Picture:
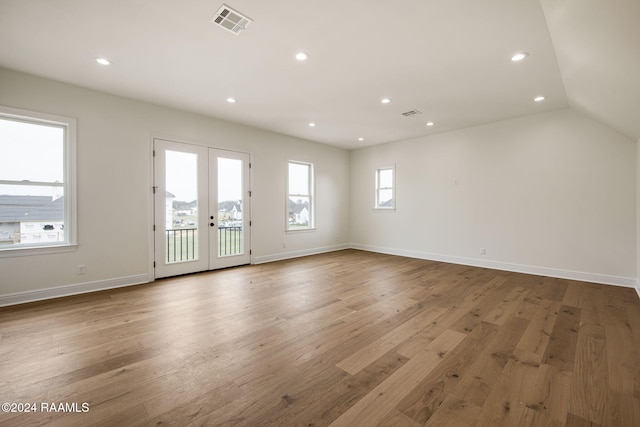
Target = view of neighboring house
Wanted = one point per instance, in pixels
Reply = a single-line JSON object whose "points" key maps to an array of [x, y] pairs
{"points": [[298, 212], [386, 204], [181, 214], [31, 219], [230, 210]]}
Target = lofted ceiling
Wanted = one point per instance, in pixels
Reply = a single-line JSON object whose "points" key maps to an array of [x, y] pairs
{"points": [[448, 59]]}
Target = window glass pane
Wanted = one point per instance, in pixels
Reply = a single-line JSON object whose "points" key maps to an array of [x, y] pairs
{"points": [[299, 197], [181, 203], [31, 214], [386, 178], [299, 212], [230, 232], [30, 151], [299, 179], [385, 198]]}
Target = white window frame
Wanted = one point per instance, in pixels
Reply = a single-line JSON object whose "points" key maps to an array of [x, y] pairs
{"points": [[310, 196], [69, 185], [378, 189]]}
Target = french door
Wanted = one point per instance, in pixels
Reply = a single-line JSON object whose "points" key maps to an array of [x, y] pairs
{"points": [[202, 208]]}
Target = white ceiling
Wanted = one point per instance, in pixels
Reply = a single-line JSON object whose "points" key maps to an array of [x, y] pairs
{"points": [[450, 59]]}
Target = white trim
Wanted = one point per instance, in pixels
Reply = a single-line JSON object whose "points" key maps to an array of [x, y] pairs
{"points": [[36, 250], [301, 230], [151, 210], [311, 196], [297, 254], [517, 268], [376, 206], [250, 248], [100, 285], [67, 290]]}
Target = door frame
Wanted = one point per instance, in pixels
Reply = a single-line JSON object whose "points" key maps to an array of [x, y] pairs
{"points": [[151, 197]]}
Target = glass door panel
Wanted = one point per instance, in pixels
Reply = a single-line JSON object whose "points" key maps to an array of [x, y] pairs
{"points": [[230, 230], [181, 202], [229, 198], [180, 176]]}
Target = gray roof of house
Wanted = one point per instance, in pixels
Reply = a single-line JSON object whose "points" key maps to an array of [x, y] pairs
{"points": [[297, 207], [30, 208], [227, 206]]}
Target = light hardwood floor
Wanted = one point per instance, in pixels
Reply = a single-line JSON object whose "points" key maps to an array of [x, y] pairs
{"points": [[348, 338]]}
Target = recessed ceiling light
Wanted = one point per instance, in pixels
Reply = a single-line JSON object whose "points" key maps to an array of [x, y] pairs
{"points": [[519, 56], [385, 100], [312, 124], [430, 124], [103, 61], [361, 139], [302, 56], [539, 98], [231, 100]]}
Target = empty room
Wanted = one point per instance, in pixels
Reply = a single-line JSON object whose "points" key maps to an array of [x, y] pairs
{"points": [[356, 213]]}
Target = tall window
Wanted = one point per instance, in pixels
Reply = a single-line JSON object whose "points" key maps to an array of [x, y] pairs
{"points": [[37, 155], [385, 191], [299, 196]]}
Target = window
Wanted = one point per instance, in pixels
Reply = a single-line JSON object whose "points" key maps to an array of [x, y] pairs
{"points": [[385, 180], [300, 196], [37, 188]]}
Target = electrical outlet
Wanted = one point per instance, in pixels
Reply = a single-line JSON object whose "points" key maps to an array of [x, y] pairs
{"points": [[483, 251], [284, 244], [82, 269]]}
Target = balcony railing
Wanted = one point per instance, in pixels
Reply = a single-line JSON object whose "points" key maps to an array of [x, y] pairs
{"points": [[182, 243], [229, 240]]}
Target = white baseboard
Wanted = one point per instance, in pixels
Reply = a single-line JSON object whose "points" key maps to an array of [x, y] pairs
{"points": [[100, 285], [297, 254], [517, 268], [67, 290]]}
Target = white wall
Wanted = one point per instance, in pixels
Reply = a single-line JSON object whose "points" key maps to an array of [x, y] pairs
{"points": [[114, 183], [551, 193]]}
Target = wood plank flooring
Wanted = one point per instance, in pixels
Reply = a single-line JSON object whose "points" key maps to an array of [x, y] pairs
{"points": [[348, 338]]}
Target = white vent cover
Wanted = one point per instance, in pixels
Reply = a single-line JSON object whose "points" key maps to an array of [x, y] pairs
{"points": [[231, 20], [411, 113]]}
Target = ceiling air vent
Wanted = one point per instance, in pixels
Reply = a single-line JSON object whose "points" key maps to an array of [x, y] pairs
{"points": [[411, 113], [231, 20]]}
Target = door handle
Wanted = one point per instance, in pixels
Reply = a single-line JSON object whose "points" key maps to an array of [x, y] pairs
{"points": [[211, 216], [212, 224]]}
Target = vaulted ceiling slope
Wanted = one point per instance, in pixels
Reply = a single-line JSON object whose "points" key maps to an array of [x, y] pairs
{"points": [[447, 61], [597, 44]]}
